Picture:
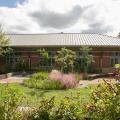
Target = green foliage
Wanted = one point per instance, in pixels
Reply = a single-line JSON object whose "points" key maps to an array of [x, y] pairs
{"points": [[105, 103], [40, 81], [43, 111], [68, 109], [4, 42], [83, 62], [86, 58], [92, 69], [5, 69], [65, 59], [21, 65], [117, 66], [44, 61], [9, 103], [119, 35]]}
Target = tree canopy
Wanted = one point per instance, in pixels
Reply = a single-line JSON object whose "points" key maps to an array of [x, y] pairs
{"points": [[119, 35], [44, 61], [86, 58], [65, 59], [4, 42]]}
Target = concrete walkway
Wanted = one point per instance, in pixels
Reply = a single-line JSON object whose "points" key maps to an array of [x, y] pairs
{"points": [[84, 83], [13, 79]]}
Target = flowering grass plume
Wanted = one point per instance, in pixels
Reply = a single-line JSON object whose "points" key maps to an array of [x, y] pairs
{"points": [[66, 80]]}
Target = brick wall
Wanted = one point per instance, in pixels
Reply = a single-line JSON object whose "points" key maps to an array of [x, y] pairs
{"points": [[106, 60], [101, 60], [104, 63]]}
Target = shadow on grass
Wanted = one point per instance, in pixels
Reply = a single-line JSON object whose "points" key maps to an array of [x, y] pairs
{"points": [[38, 93], [41, 93]]}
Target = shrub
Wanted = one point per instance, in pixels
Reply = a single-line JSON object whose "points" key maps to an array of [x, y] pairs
{"points": [[21, 65], [44, 61], [105, 103], [92, 69], [40, 81], [66, 80], [9, 103], [69, 108], [55, 75], [65, 59], [55, 80], [43, 111]]}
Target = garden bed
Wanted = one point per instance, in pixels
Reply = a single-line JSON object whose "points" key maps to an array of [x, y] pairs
{"points": [[94, 76]]}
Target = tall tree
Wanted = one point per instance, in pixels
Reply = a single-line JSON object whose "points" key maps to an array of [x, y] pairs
{"points": [[65, 59], [4, 43]]}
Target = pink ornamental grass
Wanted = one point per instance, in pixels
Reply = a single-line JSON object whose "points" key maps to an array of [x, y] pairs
{"points": [[55, 75], [68, 81]]}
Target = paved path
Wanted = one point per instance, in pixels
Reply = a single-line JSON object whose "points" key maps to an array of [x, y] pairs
{"points": [[14, 79], [84, 83]]}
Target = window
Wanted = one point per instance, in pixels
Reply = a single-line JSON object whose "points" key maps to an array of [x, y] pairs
{"points": [[12, 59], [115, 58]]}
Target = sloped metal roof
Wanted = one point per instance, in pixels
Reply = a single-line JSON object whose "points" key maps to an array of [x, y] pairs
{"points": [[65, 39]]}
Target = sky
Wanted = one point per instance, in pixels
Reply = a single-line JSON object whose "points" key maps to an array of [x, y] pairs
{"points": [[55, 16]]}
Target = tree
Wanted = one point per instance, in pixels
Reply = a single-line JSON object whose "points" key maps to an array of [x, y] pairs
{"points": [[65, 59], [86, 58], [119, 35], [44, 61], [4, 43]]}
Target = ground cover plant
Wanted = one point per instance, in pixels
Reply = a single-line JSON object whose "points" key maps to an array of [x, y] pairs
{"points": [[40, 80], [9, 101], [53, 80]]}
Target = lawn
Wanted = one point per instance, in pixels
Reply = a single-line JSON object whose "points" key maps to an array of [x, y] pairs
{"points": [[33, 96]]}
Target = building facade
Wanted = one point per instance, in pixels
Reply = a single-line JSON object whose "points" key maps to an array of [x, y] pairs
{"points": [[105, 49]]}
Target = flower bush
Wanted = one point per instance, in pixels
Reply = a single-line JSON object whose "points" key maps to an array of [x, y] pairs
{"points": [[41, 81], [66, 80], [43, 111], [9, 103], [105, 98], [105, 103], [55, 75], [67, 109]]}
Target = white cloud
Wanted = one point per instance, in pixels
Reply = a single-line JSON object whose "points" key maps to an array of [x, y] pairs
{"points": [[35, 16]]}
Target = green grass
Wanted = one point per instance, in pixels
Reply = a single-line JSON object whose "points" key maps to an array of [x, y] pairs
{"points": [[33, 96]]}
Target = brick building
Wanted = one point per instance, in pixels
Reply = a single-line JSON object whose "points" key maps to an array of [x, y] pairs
{"points": [[105, 49]]}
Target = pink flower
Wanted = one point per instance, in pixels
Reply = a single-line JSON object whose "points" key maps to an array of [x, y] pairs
{"points": [[55, 75], [68, 81]]}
